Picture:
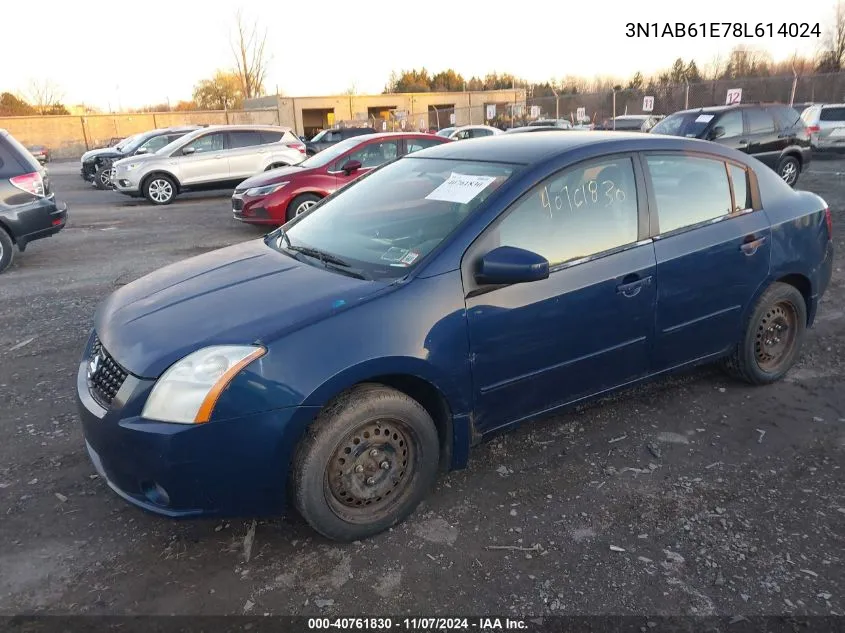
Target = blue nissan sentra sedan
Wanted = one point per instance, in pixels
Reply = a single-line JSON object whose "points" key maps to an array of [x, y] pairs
{"points": [[339, 363]]}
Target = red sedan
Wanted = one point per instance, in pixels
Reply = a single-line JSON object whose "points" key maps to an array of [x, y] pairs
{"points": [[276, 196]]}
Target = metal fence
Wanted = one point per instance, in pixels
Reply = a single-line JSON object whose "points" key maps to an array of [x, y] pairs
{"points": [[669, 98]]}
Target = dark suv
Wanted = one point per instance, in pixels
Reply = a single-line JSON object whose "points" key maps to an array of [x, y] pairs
{"points": [[28, 209], [327, 138], [772, 133], [96, 163]]}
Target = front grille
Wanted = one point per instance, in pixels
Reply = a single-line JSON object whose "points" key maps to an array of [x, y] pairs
{"points": [[237, 204], [105, 376]]}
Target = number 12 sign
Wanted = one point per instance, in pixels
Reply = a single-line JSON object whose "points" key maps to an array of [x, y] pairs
{"points": [[734, 96]]}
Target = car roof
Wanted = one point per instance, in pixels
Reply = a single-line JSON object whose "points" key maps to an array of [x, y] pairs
{"points": [[475, 127], [725, 108], [361, 138], [632, 117], [235, 127], [528, 149], [536, 128]]}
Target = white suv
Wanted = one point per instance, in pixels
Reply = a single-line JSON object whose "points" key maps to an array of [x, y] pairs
{"points": [[214, 157], [826, 125]]}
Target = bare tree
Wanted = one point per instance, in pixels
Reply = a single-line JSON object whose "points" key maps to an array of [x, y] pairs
{"points": [[714, 68], [832, 57], [44, 95], [251, 58]]}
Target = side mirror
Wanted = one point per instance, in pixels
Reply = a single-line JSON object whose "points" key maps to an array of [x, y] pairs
{"points": [[717, 132], [511, 265], [351, 166], [142, 150], [187, 151]]}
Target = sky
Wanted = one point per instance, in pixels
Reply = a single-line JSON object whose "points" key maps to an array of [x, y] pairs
{"points": [[131, 55]]}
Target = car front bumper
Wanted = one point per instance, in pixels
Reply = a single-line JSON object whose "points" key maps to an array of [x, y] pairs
{"points": [[87, 170], [125, 182], [235, 467]]}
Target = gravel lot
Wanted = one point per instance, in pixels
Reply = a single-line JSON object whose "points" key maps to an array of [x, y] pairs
{"points": [[693, 495]]}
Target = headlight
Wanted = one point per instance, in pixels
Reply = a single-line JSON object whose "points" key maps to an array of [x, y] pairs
{"points": [[265, 190], [187, 392], [128, 167]]}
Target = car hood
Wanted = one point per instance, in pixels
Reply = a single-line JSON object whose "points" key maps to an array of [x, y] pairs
{"points": [[273, 176], [102, 152], [237, 295], [136, 158]]}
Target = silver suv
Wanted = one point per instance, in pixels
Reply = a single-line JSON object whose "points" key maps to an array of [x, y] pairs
{"points": [[826, 125], [214, 157]]}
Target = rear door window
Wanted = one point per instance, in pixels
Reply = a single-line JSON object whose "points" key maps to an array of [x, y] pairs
{"points": [[688, 190], [244, 138], [759, 121], [416, 144], [742, 192]]}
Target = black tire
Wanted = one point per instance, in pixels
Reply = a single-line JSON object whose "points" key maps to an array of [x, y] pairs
{"points": [[763, 356], [301, 204], [7, 250], [160, 189], [369, 444], [101, 176], [788, 169]]}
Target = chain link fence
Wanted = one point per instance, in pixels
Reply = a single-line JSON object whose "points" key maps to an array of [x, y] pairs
{"points": [[669, 98]]}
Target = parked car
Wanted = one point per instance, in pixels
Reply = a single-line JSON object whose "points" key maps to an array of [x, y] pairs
{"points": [[535, 128], [28, 207], [561, 123], [214, 157], [279, 195], [774, 133], [327, 138], [473, 131], [628, 123], [96, 164], [338, 363], [40, 152], [826, 125]]}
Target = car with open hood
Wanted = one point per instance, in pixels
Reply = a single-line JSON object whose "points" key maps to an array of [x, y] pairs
{"points": [[338, 364]]}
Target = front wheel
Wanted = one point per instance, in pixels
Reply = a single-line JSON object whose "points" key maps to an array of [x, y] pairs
{"points": [[160, 189], [301, 204], [102, 176], [365, 463], [773, 336], [788, 170]]}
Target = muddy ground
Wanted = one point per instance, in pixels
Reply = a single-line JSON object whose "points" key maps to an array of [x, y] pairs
{"points": [[693, 495]]}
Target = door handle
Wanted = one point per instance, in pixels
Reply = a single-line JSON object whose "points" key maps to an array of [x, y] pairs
{"points": [[632, 288], [218, 156], [751, 244]]}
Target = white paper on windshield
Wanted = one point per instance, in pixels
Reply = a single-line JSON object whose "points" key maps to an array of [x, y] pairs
{"points": [[704, 118], [460, 188]]}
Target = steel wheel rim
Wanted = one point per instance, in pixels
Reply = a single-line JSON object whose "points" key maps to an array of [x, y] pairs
{"points": [[104, 176], [788, 172], [775, 336], [304, 206], [371, 470], [160, 190]]}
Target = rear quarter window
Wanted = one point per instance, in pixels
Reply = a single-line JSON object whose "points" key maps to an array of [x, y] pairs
{"points": [[14, 158], [832, 114], [275, 137], [785, 117]]}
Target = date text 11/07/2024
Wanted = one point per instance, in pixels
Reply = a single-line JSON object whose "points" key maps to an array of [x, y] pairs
{"points": [[417, 624], [722, 29]]}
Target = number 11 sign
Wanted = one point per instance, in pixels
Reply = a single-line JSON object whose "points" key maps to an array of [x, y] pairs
{"points": [[648, 104]]}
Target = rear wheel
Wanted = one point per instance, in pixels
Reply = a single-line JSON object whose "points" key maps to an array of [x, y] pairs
{"points": [[365, 463], [7, 250], [788, 170], [773, 336], [160, 189], [301, 204]]}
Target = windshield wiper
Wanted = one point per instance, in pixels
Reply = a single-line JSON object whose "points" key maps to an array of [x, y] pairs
{"points": [[324, 257]]}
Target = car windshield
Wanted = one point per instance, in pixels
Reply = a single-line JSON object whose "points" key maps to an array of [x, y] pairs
{"points": [[319, 136], [446, 131], [384, 224], [324, 157], [121, 147], [691, 124], [135, 142]]}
